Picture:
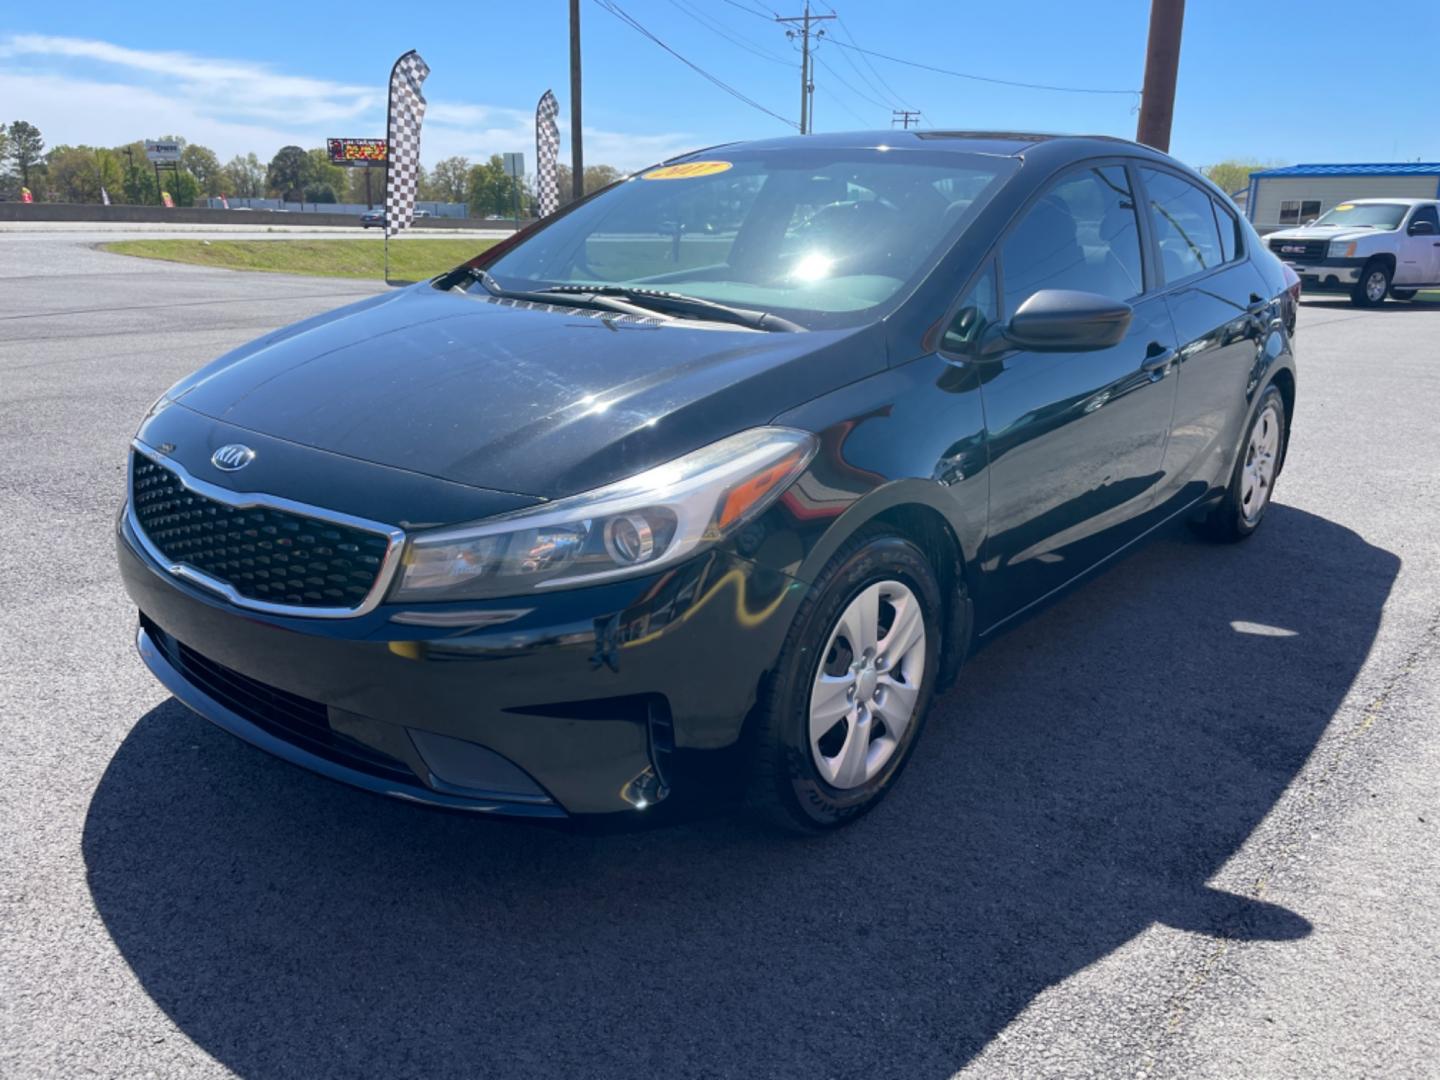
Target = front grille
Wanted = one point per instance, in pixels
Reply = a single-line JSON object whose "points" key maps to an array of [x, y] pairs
{"points": [[1313, 249], [299, 721], [262, 553]]}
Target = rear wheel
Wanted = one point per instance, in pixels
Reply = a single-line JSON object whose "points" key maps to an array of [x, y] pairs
{"points": [[851, 688], [1247, 498], [1374, 283]]}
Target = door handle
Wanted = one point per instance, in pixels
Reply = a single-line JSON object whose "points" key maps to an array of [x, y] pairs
{"points": [[1157, 360]]}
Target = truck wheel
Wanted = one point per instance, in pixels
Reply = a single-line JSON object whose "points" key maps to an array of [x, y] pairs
{"points": [[1374, 283]]}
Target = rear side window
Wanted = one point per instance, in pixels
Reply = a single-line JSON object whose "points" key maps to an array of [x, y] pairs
{"points": [[1229, 232], [1184, 225], [1081, 234]]}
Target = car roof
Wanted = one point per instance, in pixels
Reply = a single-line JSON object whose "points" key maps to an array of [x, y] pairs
{"points": [[1402, 200], [1002, 143]]}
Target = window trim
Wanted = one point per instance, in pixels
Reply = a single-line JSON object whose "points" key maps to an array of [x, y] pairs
{"points": [[1222, 214], [1163, 287]]}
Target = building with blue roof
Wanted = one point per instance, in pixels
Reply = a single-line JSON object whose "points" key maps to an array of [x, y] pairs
{"points": [[1286, 197]]}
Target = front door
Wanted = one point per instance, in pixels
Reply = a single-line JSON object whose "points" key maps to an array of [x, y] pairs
{"points": [[1076, 440], [1418, 260]]}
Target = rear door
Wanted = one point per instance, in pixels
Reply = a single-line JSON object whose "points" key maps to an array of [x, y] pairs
{"points": [[1221, 310], [1076, 440]]}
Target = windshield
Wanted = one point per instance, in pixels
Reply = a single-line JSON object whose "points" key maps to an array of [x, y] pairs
{"points": [[1362, 215], [823, 238]]}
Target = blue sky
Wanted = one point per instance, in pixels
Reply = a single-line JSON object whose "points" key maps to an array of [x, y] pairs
{"points": [[1282, 81]]}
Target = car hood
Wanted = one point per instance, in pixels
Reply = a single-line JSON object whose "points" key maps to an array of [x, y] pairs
{"points": [[1324, 234], [511, 397]]}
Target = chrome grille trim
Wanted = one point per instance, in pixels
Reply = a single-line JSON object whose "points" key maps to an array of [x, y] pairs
{"points": [[243, 500]]}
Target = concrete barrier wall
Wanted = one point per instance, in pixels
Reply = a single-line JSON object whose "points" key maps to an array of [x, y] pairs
{"points": [[15, 211]]}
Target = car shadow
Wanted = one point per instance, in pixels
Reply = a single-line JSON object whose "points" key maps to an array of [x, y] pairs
{"points": [[1088, 775]]}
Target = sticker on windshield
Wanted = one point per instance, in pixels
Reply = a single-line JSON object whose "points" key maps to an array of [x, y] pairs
{"points": [[1346, 206], [686, 170]]}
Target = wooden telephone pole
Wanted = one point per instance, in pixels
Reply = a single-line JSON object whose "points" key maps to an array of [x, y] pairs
{"points": [[1162, 65], [807, 79], [577, 147]]}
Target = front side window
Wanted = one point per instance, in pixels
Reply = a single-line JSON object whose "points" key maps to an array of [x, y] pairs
{"points": [[1426, 213], [1082, 234], [821, 237], [1184, 225]]}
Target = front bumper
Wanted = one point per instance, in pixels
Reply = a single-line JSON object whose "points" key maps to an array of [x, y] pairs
{"points": [[586, 701], [1323, 274]]}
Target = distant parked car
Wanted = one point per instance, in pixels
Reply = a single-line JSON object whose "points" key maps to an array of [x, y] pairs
{"points": [[372, 217], [422, 213], [1369, 248]]}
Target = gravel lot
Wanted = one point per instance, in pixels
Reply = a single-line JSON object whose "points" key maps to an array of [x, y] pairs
{"points": [[1184, 823]]}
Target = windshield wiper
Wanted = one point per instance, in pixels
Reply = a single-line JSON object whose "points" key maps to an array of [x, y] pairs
{"points": [[607, 303], [663, 301]]}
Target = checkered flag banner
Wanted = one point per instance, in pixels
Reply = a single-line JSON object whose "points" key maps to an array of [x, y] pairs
{"points": [[402, 133], [547, 151]]}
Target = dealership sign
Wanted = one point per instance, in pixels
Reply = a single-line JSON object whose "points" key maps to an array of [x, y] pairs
{"points": [[162, 151], [357, 153]]}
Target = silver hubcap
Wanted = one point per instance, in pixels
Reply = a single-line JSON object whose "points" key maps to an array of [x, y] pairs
{"points": [[863, 698], [1375, 285], [1258, 476]]}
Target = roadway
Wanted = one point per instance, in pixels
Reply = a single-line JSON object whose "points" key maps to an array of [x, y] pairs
{"points": [[1182, 824]]}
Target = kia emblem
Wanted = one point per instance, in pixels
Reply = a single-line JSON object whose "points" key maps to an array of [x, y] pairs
{"points": [[232, 456]]}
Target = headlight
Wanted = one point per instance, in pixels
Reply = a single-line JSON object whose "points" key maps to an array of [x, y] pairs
{"points": [[633, 526], [1342, 249]]}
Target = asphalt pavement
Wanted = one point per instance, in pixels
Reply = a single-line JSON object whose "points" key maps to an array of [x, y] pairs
{"points": [[1181, 824]]}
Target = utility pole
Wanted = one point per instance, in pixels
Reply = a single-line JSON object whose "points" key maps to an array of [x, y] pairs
{"points": [[807, 79], [577, 147], [1162, 64], [904, 117]]}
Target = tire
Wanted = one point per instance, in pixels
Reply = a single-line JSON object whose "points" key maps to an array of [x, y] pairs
{"points": [[1402, 294], [1254, 475], [813, 787], [1374, 283]]}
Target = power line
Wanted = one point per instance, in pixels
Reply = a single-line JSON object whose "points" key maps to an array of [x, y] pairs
{"points": [[850, 86], [751, 11], [718, 28], [978, 78], [615, 9], [893, 95]]}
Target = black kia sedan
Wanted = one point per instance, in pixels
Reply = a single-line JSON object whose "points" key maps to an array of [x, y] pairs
{"points": [[704, 487]]}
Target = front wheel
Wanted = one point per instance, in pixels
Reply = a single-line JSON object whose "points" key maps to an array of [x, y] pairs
{"points": [[851, 687], [1374, 283]]}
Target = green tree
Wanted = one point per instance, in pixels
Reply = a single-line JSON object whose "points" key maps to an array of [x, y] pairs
{"points": [[324, 174], [450, 181], [25, 148], [493, 192], [73, 173], [201, 163], [289, 170], [320, 193], [1231, 175], [596, 177], [243, 177]]}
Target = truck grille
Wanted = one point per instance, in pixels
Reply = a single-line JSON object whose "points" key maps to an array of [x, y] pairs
{"points": [[260, 552], [1299, 250]]}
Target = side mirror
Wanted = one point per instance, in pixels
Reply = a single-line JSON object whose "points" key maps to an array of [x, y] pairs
{"points": [[1422, 228], [1063, 320], [1310, 222]]}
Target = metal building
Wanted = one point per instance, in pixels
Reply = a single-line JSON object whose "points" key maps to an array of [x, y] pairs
{"points": [[1284, 198]]}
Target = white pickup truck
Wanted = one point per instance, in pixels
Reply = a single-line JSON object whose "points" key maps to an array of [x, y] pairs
{"points": [[1369, 248]]}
